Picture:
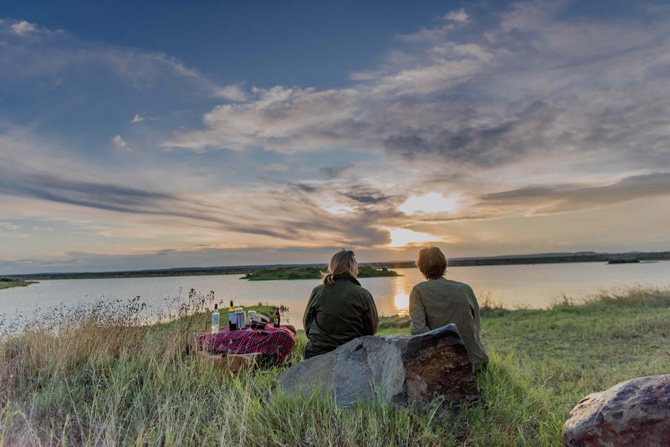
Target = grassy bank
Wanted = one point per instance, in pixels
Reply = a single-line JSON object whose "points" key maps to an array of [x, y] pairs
{"points": [[10, 284], [106, 380]]}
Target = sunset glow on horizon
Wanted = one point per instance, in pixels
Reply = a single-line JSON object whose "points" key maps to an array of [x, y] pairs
{"points": [[272, 135]]}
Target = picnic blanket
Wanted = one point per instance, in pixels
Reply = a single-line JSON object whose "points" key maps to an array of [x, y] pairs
{"points": [[271, 341]]}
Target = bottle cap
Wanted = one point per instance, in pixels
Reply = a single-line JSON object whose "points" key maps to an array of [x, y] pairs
{"points": [[216, 306]]}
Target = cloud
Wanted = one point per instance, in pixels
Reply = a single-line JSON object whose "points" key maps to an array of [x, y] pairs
{"points": [[550, 199], [332, 173], [568, 89], [57, 55], [366, 195], [119, 143], [292, 213], [30, 183], [23, 27], [531, 111], [281, 119], [230, 92], [10, 226], [275, 167], [454, 20], [459, 16]]}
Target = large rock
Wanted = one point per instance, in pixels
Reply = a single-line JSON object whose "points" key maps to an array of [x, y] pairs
{"points": [[633, 413], [426, 370]]}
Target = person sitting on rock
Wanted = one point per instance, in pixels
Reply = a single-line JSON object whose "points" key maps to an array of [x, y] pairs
{"points": [[338, 310], [438, 301]]}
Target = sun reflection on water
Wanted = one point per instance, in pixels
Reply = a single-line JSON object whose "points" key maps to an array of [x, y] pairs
{"points": [[401, 287], [402, 303]]}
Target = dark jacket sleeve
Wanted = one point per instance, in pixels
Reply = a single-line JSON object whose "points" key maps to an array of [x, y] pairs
{"points": [[370, 316], [307, 317]]}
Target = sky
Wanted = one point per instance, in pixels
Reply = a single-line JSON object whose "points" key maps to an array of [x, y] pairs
{"points": [[192, 134]]}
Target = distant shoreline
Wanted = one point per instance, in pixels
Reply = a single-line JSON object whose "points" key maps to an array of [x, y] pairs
{"points": [[300, 273], [549, 258]]}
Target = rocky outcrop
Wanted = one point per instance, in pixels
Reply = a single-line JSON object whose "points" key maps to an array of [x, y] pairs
{"points": [[426, 370], [631, 414]]}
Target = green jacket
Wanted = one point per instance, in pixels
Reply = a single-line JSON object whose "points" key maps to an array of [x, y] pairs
{"points": [[338, 314], [438, 302]]}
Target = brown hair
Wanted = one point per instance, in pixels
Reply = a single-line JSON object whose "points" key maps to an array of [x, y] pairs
{"points": [[431, 262], [341, 262]]}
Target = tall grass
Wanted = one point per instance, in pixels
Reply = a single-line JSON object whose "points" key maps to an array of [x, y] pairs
{"points": [[97, 377]]}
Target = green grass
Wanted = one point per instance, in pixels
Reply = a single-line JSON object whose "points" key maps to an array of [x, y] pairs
{"points": [[10, 284], [106, 380]]}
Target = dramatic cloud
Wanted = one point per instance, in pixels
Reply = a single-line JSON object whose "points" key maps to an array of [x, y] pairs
{"points": [[485, 132], [292, 213], [564, 198], [533, 87]]}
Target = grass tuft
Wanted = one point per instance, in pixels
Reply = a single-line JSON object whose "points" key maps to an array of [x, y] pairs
{"points": [[96, 376]]}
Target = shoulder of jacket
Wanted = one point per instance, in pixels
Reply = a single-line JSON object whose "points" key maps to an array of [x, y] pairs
{"points": [[456, 283], [420, 285], [361, 290], [318, 289], [462, 286]]}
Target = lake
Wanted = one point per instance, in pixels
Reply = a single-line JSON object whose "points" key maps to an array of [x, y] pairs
{"points": [[536, 286]]}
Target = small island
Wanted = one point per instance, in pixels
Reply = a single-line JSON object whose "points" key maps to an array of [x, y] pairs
{"points": [[364, 271], [8, 283], [624, 261]]}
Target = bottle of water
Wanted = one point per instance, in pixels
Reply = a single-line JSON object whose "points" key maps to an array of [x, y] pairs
{"points": [[215, 320]]}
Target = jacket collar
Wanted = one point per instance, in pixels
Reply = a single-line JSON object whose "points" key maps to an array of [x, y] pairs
{"points": [[347, 277]]}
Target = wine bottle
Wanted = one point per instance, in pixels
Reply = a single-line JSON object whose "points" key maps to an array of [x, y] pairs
{"points": [[215, 320], [277, 317], [232, 319]]}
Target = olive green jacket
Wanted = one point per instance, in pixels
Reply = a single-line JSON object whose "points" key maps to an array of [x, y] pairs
{"points": [[337, 314], [438, 302]]}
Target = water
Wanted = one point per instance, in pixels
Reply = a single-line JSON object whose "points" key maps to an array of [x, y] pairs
{"points": [[510, 285]]}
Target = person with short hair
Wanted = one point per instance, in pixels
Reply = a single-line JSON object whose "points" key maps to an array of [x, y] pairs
{"points": [[340, 309], [438, 301]]}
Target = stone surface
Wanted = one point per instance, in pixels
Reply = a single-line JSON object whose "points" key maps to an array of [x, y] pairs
{"points": [[633, 413], [427, 370]]}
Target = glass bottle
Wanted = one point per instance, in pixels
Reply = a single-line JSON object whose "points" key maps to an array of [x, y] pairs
{"points": [[215, 320], [232, 319], [277, 317]]}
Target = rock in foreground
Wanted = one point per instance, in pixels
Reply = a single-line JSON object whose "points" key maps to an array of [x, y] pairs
{"points": [[425, 370], [634, 413]]}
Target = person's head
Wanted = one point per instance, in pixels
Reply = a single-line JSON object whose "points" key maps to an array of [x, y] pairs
{"points": [[342, 262], [431, 262]]}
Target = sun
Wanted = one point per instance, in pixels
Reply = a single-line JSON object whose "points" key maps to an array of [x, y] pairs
{"points": [[401, 237], [430, 203]]}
